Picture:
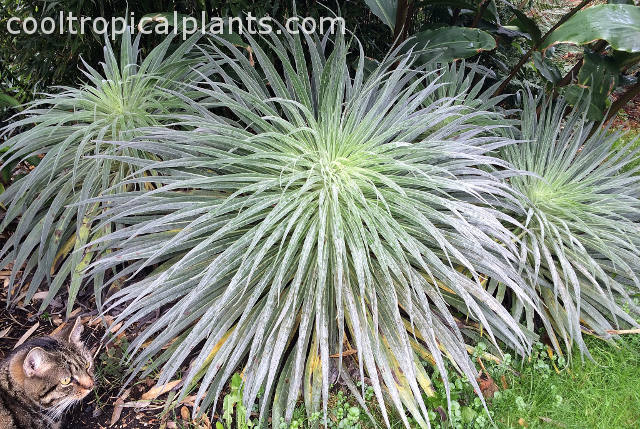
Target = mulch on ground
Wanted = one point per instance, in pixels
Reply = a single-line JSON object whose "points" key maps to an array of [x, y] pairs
{"points": [[631, 118], [107, 406]]}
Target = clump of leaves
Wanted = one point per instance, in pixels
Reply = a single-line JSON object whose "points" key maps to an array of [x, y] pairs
{"points": [[70, 131], [232, 404], [343, 415], [316, 227], [581, 239], [111, 359], [466, 409]]}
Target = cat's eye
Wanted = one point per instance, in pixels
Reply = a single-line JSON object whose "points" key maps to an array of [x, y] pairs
{"points": [[64, 381], [87, 365]]}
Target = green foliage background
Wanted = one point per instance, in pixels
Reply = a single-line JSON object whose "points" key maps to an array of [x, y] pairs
{"points": [[32, 63]]}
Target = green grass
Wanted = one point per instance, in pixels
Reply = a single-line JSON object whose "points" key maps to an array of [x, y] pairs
{"points": [[543, 392], [604, 393]]}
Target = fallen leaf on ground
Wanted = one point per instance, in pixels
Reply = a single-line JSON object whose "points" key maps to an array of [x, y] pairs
{"points": [[98, 319], [117, 407], [113, 329], [156, 391], [553, 422], [59, 328], [487, 385], [184, 412], [139, 404], [27, 334], [205, 420], [189, 400], [39, 296], [5, 332]]}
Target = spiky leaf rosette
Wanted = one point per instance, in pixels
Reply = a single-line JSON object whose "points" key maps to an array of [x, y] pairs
{"points": [[67, 130], [307, 239], [582, 239]]}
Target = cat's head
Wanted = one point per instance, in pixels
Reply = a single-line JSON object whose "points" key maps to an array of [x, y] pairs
{"points": [[58, 370]]}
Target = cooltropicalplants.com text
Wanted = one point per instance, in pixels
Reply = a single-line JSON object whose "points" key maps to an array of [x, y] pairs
{"points": [[175, 23]]}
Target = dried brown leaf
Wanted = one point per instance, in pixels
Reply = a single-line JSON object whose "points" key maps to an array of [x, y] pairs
{"points": [[184, 413], [27, 334], [156, 391], [487, 385], [117, 407]]}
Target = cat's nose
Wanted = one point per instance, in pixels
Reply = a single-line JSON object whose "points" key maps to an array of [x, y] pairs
{"points": [[86, 383]]}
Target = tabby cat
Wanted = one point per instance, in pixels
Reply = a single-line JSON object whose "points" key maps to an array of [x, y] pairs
{"points": [[40, 379]]}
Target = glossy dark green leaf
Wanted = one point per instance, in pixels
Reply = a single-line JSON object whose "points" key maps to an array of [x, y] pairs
{"points": [[600, 75], [623, 59], [621, 2], [618, 24], [5, 174], [385, 10], [526, 25], [454, 42], [490, 14], [546, 68], [8, 101], [492, 11], [574, 93], [510, 31], [459, 4]]}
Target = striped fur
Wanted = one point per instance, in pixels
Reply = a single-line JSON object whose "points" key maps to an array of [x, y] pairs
{"points": [[32, 393]]}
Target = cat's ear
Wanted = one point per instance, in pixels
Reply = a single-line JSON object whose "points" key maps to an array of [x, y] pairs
{"points": [[36, 363], [71, 332]]}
